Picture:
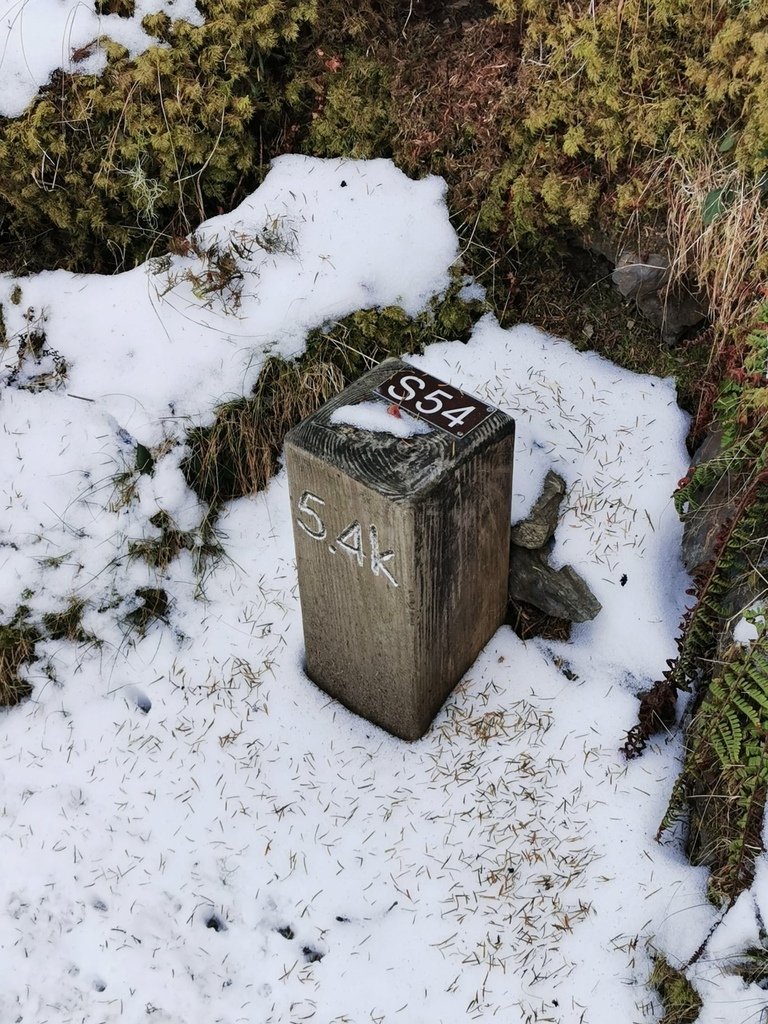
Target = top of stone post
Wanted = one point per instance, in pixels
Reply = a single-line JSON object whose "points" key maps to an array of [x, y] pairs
{"points": [[396, 467]]}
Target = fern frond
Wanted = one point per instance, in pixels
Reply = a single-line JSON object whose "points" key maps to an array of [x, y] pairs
{"points": [[725, 772]]}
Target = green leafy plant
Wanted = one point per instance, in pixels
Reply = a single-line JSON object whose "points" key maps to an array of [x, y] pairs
{"points": [[721, 790], [725, 774]]}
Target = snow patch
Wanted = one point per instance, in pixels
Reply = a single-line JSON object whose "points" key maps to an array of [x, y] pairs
{"points": [[190, 829], [376, 417], [37, 37]]}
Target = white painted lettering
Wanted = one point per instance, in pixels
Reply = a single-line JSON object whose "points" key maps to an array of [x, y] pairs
{"points": [[351, 541], [319, 531], [408, 390], [456, 417], [432, 397], [378, 558]]}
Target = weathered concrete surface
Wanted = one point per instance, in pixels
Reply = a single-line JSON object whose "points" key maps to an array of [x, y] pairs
{"points": [[402, 550]]}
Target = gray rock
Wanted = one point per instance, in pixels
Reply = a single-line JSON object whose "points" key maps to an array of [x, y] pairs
{"points": [[675, 311], [561, 593], [715, 505], [645, 279], [642, 276], [637, 278], [539, 526]]}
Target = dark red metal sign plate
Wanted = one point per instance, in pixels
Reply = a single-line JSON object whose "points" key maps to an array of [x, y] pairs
{"points": [[437, 403]]}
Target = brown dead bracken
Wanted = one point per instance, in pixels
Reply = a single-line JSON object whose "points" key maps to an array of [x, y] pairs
{"points": [[657, 714]]}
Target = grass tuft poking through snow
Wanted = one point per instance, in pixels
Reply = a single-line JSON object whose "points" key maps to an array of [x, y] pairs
{"points": [[17, 649], [238, 453]]}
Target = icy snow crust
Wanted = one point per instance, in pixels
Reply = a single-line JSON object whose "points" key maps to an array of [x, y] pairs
{"points": [[37, 37], [189, 829]]}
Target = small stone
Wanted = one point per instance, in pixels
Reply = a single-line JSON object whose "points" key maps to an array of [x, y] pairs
{"points": [[642, 275], [636, 276], [561, 593], [540, 524]]}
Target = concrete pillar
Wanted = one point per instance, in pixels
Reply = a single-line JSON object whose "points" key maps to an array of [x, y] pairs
{"points": [[402, 546]]}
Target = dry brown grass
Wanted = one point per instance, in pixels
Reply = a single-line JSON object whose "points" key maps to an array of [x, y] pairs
{"points": [[454, 89], [717, 228], [67, 624], [238, 454], [154, 606], [529, 622], [161, 551], [17, 648]]}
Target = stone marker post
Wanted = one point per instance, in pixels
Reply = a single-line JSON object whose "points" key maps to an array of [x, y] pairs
{"points": [[402, 545]]}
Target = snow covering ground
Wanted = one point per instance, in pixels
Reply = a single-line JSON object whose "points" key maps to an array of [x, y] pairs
{"points": [[37, 37], [190, 831]]}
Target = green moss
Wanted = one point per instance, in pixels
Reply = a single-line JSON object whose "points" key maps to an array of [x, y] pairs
{"points": [[97, 168], [354, 115], [679, 998], [575, 132], [123, 8], [607, 96], [365, 337]]}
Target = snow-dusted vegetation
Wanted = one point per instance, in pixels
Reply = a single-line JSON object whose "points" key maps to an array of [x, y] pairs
{"points": [[191, 830]]}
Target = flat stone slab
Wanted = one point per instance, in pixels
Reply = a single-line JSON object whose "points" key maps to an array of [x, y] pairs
{"points": [[561, 593]]}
